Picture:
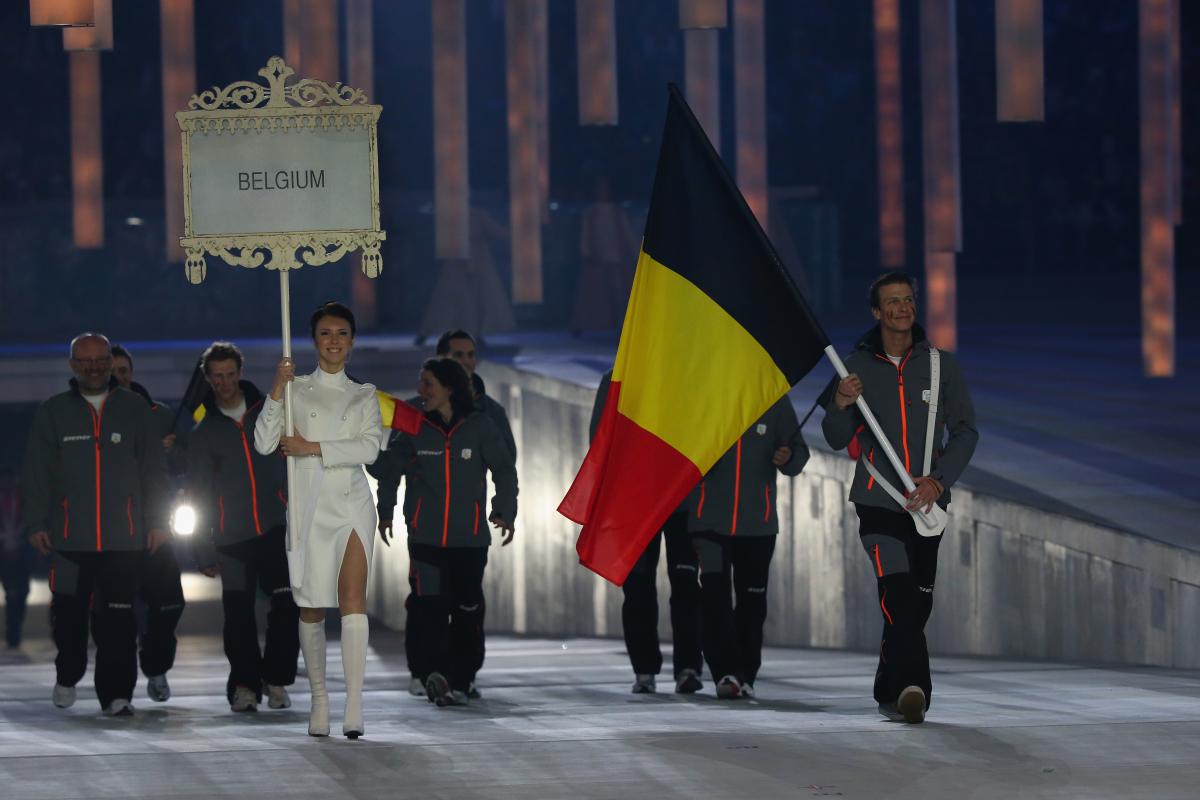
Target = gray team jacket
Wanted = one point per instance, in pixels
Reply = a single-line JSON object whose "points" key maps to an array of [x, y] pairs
{"points": [[737, 496], [446, 471], [899, 398], [94, 480], [239, 493]]}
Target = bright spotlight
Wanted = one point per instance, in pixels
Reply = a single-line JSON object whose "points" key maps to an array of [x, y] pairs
{"points": [[183, 520]]}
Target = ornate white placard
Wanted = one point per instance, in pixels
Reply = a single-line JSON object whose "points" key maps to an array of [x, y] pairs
{"points": [[280, 175]]}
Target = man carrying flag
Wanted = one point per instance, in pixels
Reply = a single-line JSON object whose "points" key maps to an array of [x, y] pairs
{"points": [[715, 332]]}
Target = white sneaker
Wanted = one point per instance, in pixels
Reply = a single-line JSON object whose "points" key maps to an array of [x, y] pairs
{"points": [[416, 686], [911, 704], [158, 689], [63, 696], [643, 684], [458, 698], [278, 697], [728, 688], [244, 699], [748, 691], [119, 708]]}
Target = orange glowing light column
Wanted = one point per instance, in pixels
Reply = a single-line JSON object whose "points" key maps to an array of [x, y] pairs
{"points": [[178, 85], [1020, 85], [596, 46], [524, 173], [87, 163], [939, 147], [360, 73], [1157, 183], [750, 103], [889, 132], [451, 193]]}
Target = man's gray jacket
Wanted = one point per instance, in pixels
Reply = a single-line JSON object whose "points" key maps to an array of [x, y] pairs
{"points": [[94, 480], [898, 395]]}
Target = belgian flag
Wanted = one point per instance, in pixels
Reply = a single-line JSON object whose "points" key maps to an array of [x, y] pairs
{"points": [[715, 333]]}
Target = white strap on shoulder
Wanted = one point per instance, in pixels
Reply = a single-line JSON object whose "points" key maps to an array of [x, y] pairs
{"points": [[935, 382]]}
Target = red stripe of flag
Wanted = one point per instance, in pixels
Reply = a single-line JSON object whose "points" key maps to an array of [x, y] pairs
{"points": [[635, 480]]}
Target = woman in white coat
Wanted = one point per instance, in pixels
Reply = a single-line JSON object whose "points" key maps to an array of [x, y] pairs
{"points": [[338, 430]]}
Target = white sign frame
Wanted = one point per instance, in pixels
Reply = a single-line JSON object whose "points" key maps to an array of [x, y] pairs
{"points": [[306, 106]]}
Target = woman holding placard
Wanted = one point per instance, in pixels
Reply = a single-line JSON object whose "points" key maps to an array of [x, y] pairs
{"points": [[337, 432]]}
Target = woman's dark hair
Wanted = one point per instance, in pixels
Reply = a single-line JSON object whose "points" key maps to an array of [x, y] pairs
{"points": [[450, 373], [331, 309]]}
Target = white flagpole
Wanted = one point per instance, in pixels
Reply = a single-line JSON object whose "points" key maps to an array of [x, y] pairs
{"points": [[873, 424], [285, 306], [929, 523]]}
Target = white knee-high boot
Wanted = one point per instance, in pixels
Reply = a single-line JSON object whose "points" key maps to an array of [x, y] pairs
{"points": [[354, 666], [312, 644]]}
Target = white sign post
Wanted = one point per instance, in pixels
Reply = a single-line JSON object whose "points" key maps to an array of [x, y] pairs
{"points": [[281, 176]]}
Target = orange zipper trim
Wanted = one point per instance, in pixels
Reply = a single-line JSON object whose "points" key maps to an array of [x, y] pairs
{"points": [[416, 515], [221, 506], [96, 419], [737, 486], [66, 519], [446, 510], [878, 563], [767, 494], [475, 531], [883, 605], [253, 482], [871, 478], [129, 513], [700, 505]]}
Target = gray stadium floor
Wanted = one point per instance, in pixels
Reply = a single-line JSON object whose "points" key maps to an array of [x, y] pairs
{"points": [[558, 721]]}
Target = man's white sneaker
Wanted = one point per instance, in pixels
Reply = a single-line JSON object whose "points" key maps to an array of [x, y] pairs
{"points": [[688, 682], [158, 689], [728, 688], [458, 698], [416, 686], [119, 708], [748, 690], [911, 704], [278, 697], [63, 696], [643, 684], [244, 699]]}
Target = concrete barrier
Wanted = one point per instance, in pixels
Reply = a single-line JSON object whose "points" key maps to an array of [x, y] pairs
{"points": [[1013, 580]]}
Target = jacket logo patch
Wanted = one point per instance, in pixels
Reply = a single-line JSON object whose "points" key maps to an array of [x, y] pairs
{"points": [[925, 396], [79, 438], [116, 438], [466, 454], [760, 429]]}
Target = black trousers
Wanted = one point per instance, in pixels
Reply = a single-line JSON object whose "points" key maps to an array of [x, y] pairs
{"points": [[15, 568], [905, 566], [639, 610], [112, 577], [733, 633], [247, 567], [162, 594], [447, 607]]}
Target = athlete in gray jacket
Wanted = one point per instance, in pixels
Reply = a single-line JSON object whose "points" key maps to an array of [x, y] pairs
{"points": [[890, 368], [94, 493], [733, 520]]}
